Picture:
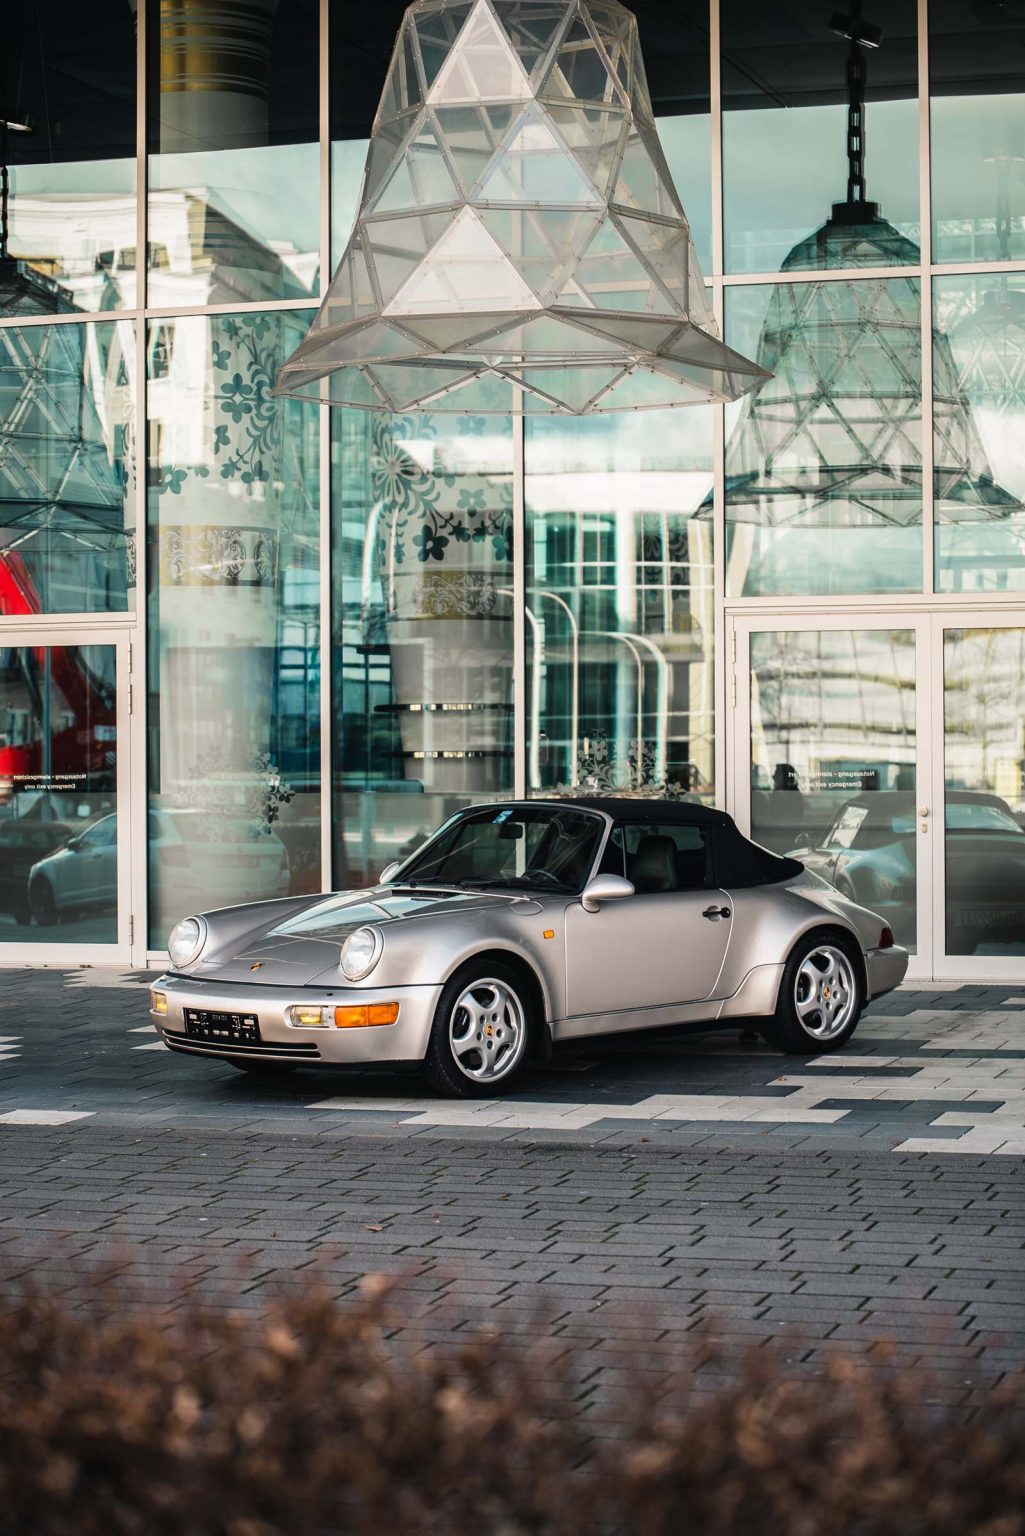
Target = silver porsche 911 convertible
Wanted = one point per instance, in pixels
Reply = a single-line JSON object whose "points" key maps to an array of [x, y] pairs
{"points": [[521, 925]]}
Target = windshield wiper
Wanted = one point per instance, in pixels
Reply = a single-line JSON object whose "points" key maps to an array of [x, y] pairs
{"points": [[539, 881]]}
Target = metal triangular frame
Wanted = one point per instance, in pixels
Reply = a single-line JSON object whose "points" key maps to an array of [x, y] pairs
{"points": [[515, 176]]}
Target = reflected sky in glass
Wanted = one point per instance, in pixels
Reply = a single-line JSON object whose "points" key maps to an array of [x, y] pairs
{"points": [[979, 368], [785, 146], [977, 77]]}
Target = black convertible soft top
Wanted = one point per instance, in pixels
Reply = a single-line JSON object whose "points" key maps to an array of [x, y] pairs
{"points": [[738, 862]]}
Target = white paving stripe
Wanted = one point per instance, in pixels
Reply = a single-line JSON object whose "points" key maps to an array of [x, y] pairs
{"points": [[804, 1103], [153, 1045], [143, 1029], [44, 1116]]}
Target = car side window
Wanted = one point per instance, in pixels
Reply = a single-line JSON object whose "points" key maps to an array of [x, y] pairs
{"points": [[848, 824], [666, 857], [613, 859]]}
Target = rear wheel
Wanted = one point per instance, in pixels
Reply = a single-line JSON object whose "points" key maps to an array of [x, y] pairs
{"points": [[820, 997], [481, 1032], [43, 903]]}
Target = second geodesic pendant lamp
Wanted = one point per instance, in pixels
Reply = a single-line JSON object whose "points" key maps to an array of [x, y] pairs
{"points": [[519, 245]]}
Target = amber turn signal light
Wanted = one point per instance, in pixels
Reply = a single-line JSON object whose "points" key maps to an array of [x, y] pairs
{"points": [[158, 1002], [360, 1016], [886, 939]]}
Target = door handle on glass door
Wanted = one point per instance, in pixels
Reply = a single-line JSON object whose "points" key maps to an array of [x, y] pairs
{"points": [[715, 913]]}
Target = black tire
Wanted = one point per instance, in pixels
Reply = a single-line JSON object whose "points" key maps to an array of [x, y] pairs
{"points": [[506, 1016], [806, 1023], [43, 903], [262, 1068]]}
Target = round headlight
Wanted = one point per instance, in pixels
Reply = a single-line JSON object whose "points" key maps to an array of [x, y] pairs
{"points": [[186, 940], [360, 953]]}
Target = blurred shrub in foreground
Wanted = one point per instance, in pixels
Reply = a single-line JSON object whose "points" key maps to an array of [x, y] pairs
{"points": [[307, 1419]]}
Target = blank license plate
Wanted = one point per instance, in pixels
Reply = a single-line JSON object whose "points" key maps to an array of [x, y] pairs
{"points": [[229, 1028]]}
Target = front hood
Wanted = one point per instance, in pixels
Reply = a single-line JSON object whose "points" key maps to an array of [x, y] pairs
{"points": [[303, 948]]}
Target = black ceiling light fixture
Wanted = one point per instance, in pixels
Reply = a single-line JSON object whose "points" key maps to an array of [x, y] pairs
{"points": [[860, 34]]}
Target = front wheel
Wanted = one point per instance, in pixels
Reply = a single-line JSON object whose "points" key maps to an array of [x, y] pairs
{"points": [[481, 1032], [820, 997]]}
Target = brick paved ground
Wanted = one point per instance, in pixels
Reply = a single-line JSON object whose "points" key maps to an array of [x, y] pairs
{"points": [[640, 1189]]}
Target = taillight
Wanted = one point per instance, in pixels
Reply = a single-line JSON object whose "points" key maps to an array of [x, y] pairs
{"points": [[886, 939]]}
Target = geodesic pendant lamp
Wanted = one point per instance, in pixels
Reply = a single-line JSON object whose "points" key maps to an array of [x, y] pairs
{"points": [[519, 246]]}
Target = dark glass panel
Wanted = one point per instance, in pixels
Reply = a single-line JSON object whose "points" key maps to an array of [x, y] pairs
{"points": [[67, 92]]}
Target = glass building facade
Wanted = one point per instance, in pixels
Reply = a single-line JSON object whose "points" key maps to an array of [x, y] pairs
{"points": [[257, 648]]}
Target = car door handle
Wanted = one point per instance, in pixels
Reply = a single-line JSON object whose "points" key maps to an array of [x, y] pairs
{"points": [[715, 913]]}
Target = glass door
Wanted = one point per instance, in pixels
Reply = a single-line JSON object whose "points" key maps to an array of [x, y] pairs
{"points": [[978, 672], [831, 758], [64, 822]]}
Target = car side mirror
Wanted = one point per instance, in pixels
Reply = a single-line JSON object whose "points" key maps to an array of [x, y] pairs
{"points": [[604, 888], [74, 843], [388, 871], [803, 840]]}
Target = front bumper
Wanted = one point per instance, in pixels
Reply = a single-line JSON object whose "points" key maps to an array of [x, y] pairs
{"points": [[886, 969], [403, 1041]]}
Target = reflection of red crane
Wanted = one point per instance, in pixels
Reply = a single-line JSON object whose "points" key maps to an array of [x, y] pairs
{"points": [[47, 670]]}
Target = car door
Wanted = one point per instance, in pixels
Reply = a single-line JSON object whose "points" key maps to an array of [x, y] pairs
{"points": [[89, 871], [660, 949]]}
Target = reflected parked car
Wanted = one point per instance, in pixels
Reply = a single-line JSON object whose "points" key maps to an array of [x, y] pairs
{"points": [[868, 853], [192, 868], [23, 843], [83, 873]]}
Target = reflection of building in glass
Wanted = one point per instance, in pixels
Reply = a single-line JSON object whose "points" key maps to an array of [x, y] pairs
{"points": [[620, 617], [824, 465], [67, 467]]}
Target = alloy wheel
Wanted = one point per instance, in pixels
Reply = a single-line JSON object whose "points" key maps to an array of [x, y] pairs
{"points": [[825, 992], [487, 1030]]}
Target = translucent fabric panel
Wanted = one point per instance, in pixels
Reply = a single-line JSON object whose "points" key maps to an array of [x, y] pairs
{"points": [[67, 468], [785, 161], [423, 637], [234, 604], [824, 461], [234, 210], [976, 80], [69, 94], [481, 64], [979, 447], [620, 606]]}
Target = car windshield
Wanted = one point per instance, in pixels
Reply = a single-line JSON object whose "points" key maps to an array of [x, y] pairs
{"points": [[536, 847]]}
